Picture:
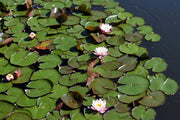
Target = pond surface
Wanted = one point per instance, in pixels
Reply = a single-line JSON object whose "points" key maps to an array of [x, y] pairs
{"points": [[164, 17]]}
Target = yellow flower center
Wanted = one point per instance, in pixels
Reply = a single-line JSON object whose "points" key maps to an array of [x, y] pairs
{"points": [[99, 104], [9, 76], [32, 34]]}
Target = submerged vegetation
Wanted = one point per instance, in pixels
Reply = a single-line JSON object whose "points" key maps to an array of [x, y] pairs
{"points": [[63, 60]]}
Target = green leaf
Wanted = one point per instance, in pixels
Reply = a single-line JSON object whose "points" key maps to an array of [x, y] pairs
{"points": [[115, 40], [157, 64], [72, 20], [133, 84], [124, 15], [114, 52], [48, 74], [129, 48], [5, 86], [133, 37], [25, 75], [112, 74], [135, 21], [54, 115], [145, 29], [102, 85], [153, 99], [96, 15], [82, 90], [49, 61], [10, 50], [113, 115], [78, 116], [4, 112], [112, 19], [153, 37], [127, 28], [58, 91], [23, 58], [58, 4], [90, 115], [65, 70], [72, 99], [75, 29], [25, 101], [38, 88], [10, 21], [19, 116], [5, 67]]}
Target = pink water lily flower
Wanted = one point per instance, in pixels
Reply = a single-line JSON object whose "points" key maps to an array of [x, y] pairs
{"points": [[9, 77], [105, 28], [32, 35], [101, 51], [99, 105]]}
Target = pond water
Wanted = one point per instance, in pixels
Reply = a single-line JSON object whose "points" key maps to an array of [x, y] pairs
{"points": [[164, 17]]}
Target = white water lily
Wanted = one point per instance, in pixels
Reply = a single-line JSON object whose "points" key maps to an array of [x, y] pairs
{"points": [[105, 28], [32, 35], [9, 77], [99, 105], [101, 51]]}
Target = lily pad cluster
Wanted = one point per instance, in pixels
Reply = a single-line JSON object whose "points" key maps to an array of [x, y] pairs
{"points": [[61, 75]]}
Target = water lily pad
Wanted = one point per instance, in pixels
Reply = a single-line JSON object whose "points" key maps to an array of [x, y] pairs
{"points": [[133, 84], [113, 115], [38, 88], [54, 115], [58, 91], [101, 85], [153, 37], [23, 58], [78, 116], [153, 99], [133, 37], [112, 19], [58, 4], [4, 112], [72, 20], [49, 61], [157, 64], [135, 21], [115, 40], [48, 74], [89, 114], [127, 63], [129, 48], [96, 15], [90, 25], [125, 15], [5, 67], [72, 99], [112, 74], [5, 86], [80, 89], [114, 52], [25, 101], [126, 28], [10, 50], [122, 108], [145, 29], [65, 70], [75, 29], [19, 116], [25, 75], [10, 21]]}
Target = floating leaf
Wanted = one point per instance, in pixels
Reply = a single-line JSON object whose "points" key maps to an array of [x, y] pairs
{"points": [[75, 29], [58, 4], [157, 64], [126, 28], [133, 37], [101, 85], [122, 108], [98, 37], [153, 99], [4, 112], [25, 101], [72, 99], [125, 15], [135, 21], [112, 19], [5, 67], [89, 114], [96, 15], [19, 116], [153, 37], [129, 48], [23, 58], [90, 25], [38, 88], [78, 116], [133, 84], [115, 40], [25, 75], [48, 74], [54, 115], [49, 61], [113, 115], [58, 91], [114, 52], [83, 8], [65, 70], [5, 86], [145, 29], [82, 90], [72, 20], [43, 45]]}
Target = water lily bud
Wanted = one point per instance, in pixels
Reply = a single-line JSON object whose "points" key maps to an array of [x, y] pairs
{"points": [[17, 74], [105, 28], [32, 35], [9, 77], [101, 51], [99, 105]]}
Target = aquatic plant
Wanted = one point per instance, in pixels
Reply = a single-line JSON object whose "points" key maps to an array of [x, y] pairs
{"points": [[63, 64]]}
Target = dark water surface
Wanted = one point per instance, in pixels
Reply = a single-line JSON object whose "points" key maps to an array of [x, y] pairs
{"points": [[164, 17]]}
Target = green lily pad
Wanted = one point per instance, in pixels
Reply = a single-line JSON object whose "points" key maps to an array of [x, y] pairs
{"points": [[101, 85], [153, 99], [135, 21], [145, 29], [153, 37], [48, 74], [124, 15], [49, 61], [10, 50], [157, 64], [115, 40], [78, 116], [19, 116], [3, 37], [5, 67], [72, 20], [65, 69], [72, 99], [127, 28], [58, 91], [75, 29], [122, 108], [112, 74], [58, 4], [10, 21], [133, 84], [25, 75], [23, 58], [133, 37], [4, 112], [113, 115], [129, 48], [5, 86], [112, 19], [80, 89], [128, 63], [38, 88], [54, 115], [96, 15], [25, 101], [90, 115]]}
